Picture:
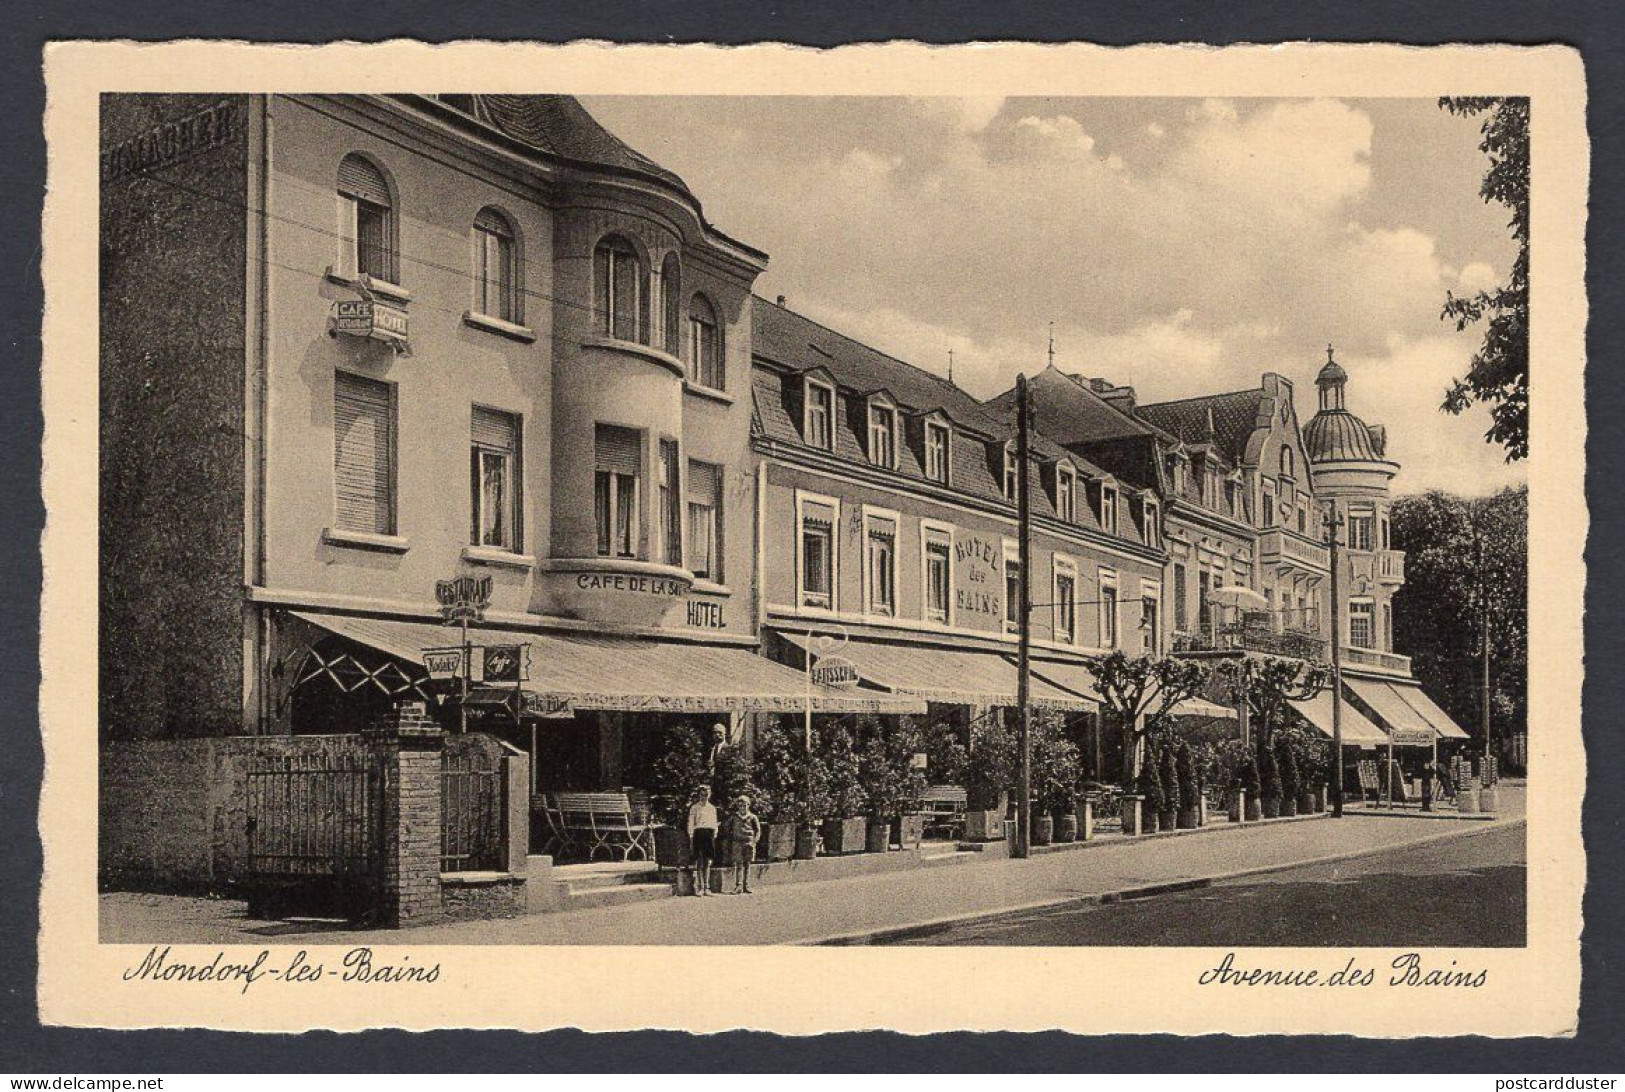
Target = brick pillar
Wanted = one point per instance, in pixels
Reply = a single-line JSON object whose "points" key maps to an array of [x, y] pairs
{"points": [[410, 743]]}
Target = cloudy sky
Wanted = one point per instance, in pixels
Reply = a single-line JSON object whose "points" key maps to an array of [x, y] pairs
{"points": [[1182, 246]]}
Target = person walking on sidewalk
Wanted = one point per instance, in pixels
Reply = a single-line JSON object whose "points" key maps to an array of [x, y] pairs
{"points": [[702, 838], [744, 830]]}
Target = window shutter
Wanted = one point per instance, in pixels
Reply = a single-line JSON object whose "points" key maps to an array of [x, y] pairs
{"points": [[363, 181], [496, 430], [620, 450], [363, 454], [704, 484]]}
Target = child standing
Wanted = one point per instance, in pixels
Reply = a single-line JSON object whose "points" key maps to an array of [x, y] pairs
{"points": [[744, 829], [702, 838]]}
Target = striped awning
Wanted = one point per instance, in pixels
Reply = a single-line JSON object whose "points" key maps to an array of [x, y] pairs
{"points": [[1394, 713], [952, 676], [1357, 730], [1417, 698], [601, 672]]}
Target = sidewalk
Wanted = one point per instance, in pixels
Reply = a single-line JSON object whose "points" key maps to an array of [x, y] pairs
{"points": [[802, 913]]}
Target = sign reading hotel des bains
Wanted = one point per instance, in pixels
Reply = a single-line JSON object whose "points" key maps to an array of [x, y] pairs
{"points": [[978, 577]]}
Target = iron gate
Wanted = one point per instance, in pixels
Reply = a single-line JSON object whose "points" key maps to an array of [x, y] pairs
{"points": [[315, 834], [472, 809]]}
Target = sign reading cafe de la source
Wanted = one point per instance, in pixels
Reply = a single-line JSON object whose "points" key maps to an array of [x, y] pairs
{"points": [[667, 487]]}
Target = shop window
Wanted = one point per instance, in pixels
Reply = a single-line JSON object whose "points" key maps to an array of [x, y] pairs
{"points": [[880, 548], [495, 468], [704, 344], [882, 435], [621, 291], [705, 520], [937, 441], [366, 221], [820, 416], [364, 454], [615, 496], [938, 576], [671, 508], [496, 268], [817, 571]]}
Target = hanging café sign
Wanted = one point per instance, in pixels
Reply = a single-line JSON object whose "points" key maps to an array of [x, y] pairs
{"points": [[370, 317]]}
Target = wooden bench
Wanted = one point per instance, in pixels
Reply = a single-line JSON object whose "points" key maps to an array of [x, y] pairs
{"points": [[944, 808], [594, 821]]}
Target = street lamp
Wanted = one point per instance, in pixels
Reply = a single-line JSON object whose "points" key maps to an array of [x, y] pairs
{"points": [[1334, 525]]}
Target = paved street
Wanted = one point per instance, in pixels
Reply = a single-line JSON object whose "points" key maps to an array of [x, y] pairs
{"points": [[1466, 892], [810, 912]]}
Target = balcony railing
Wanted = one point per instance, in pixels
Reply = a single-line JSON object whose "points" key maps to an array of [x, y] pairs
{"points": [[1256, 632], [1391, 566], [1279, 546], [1370, 659]]}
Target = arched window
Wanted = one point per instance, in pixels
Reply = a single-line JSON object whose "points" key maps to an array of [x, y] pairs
{"points": [[1286, 462], [366, 221], [704, 344], [621, 290], [671, 304], [496, 267]]}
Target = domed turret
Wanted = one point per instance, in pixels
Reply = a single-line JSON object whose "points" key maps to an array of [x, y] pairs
{"points": [[1334, 434]]}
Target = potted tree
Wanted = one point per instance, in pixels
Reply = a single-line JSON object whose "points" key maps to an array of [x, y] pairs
{"points": [[1149, 791], [1252, 787], [777, 777], [677, 773], [844, 829], [889, 782], [1190, 792], [1291, 786], [990, 767], [1269, 787], [1056, 769], [1168, 816]]}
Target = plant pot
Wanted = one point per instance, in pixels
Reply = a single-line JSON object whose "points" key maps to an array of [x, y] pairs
{"points": [[1150, 819], [1043, 830], [1066, 828], [1489, 799], [1320, 799], [780, 841], [878, 837], [1167, 819], [908, 831], [806, 844], [1190, 818], [1238, 805], [1255, 810], [1272, 807], [671, 847], [1289, 807], [1133, 815], [845, 835], [984, 825], [1467, 801], [1306, 804]]}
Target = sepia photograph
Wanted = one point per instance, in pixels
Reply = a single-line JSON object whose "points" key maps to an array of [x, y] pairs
{"points": [[585, 519]]}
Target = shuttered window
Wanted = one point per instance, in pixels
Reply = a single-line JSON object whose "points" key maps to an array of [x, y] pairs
{"points": [[671, 512], [880, 544], [364, 454], [497, 512], [818, 555], [619, 461], [705, 520], [367, 221]]}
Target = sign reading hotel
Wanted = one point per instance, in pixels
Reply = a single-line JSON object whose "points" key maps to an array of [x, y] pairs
{"points": [[978, 579], [369, 318]]}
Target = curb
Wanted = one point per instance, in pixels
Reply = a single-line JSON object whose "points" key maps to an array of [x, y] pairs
{"points": [[1144, 891]]}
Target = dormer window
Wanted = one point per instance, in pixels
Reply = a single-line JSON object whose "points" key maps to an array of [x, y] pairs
{"points": [[1010, 472], [1108, 509], [937, 441], [882, 435], [1176, 470], [1066, 493], [819, 416]]}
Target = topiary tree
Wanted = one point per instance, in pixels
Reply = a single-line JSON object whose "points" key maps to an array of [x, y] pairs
{"points": [[1190, 788], [1149, 785], [1249, 777], [845, 785], [1172, 790], [1138, 692], [1268, 685], [1269, 786], [1291, 787]]}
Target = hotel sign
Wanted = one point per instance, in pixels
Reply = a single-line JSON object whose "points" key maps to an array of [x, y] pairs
{"points": [[978, 577]]}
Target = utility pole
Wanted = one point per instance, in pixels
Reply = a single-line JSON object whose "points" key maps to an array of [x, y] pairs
{"points": [[1334, 526], [1483, 633], [1024, 600]]}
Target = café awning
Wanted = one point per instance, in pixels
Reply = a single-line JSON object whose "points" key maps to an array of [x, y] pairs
{"points": [[1198, 707], [1395, 714], [601, 672], [949, 675], [1357, 730], [1418, 700]]}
